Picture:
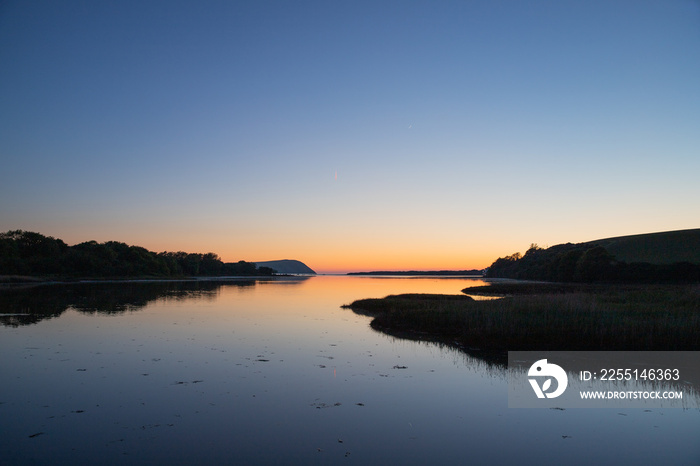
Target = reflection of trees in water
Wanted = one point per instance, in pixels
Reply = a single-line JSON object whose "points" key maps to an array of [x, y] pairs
{"points": [[26, 306], [494, 362]]}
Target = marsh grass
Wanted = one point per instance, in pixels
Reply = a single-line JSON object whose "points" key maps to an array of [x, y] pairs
{"points": [[544, 317]]}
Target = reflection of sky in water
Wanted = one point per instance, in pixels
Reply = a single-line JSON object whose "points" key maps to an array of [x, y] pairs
{"points": [[278, 372]]}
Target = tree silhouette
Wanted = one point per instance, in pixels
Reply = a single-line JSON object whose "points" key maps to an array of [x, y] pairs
{"points": [[29, 253]]}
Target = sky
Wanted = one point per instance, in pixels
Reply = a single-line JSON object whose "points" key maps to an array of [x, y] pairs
{"points": [[363, 135]]}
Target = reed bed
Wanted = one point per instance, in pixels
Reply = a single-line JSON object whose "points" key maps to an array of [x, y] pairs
{"points": [[659, 317]]}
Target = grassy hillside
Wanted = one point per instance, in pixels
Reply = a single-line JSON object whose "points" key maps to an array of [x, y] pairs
{"points": [[667, 247], [668, 257]]}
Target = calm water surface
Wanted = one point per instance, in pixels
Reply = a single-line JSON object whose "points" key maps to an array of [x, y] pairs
{"points": [[275, 372]]}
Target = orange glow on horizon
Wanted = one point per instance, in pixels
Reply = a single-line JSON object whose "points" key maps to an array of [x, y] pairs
{"points": [[339, 249], [328, 251], [368, 261], [323, 254]]}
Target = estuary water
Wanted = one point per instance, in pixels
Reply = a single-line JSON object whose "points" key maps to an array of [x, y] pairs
{"points": [[276, 372]]}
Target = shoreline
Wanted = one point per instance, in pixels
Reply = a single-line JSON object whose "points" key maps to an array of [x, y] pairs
{"points": [[545, 316], [15, 280]]}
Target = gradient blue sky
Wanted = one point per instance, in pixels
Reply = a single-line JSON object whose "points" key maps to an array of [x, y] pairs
{"points": [[460, 131]]}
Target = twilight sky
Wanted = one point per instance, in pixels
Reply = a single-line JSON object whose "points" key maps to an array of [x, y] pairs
{"points": [[350, 135]]}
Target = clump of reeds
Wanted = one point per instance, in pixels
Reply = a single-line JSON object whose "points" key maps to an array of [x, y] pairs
{"points": [[578, 318]]}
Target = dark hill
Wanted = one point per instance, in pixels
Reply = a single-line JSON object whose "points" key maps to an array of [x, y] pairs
{"points": [[287, 266], [672, 257], [668, 247]]}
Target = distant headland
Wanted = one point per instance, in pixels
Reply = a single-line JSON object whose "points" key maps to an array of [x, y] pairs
{"points": [[287, 266]]}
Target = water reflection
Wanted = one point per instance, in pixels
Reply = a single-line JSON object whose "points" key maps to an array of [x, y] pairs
{"points": [[25, 305], [278, 373], [496, 359]]}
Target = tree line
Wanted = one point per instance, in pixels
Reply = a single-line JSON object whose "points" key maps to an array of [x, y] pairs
{"points": [[584, 263], [30, 253]]}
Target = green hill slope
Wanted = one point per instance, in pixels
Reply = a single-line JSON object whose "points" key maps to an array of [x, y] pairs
{"points": [[667, 247], [672, 256]]}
